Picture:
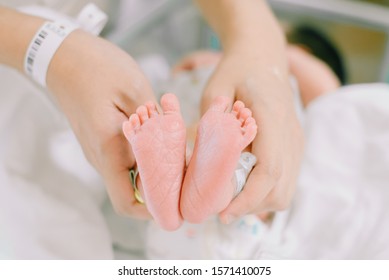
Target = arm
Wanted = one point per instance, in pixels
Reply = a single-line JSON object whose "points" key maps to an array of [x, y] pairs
{"points": [[241, 22], [16, 32], [253, 43], [97, 86], [247, 28]]}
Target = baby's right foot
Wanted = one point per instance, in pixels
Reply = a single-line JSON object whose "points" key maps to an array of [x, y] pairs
{"points": [[222, 135], [159, 142]]}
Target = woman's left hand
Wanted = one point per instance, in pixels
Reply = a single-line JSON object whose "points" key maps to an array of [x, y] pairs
{"points": [[278, 145]]}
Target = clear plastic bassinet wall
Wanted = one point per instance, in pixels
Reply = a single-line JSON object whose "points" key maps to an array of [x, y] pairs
{"points": [[359, 29]]}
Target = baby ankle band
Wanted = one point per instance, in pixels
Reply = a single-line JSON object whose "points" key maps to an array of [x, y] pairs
{"points": [[245, 165]]}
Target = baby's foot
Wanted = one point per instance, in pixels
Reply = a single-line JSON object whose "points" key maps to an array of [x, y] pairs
{"points": [[222, 135], [158, 143]]}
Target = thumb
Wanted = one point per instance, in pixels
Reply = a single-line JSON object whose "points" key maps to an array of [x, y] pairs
{"points": [[215, 87]]}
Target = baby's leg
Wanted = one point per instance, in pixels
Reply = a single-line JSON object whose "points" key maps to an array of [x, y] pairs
{"points": [[222, 135], [158, 141], [314, 77]]}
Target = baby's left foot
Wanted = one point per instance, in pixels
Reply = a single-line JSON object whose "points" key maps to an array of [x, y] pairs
{"points": [[222, 135]]}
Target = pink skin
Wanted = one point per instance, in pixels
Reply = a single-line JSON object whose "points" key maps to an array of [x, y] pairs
{"points": [[315, 78], [158, 141], [222, 135]]}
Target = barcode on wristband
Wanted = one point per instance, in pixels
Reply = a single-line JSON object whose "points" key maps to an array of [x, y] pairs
{"points": [[37, 42], [42, 48]]}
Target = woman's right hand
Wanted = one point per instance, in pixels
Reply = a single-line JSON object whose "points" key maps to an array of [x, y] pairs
{"points": [[98, 86]]}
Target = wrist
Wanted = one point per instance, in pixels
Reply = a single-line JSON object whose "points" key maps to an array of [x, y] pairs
{"points": [[42, 48]]}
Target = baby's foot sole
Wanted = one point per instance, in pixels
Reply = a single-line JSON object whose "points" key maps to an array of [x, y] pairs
{"points": [[222, 135], [158, 143]]}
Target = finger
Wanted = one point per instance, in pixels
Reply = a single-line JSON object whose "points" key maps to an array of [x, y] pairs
{"points": [[277, 200], [125, 101], [122, 197], [281, 195], [255, 191], [213, 90], [265, 175], [271, 185], [117, 161], [284, 171]]}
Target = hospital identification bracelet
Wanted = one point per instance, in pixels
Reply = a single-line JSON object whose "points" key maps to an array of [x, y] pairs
{"points": [[42, 48]]}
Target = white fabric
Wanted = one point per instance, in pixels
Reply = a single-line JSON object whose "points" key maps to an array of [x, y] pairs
{"points": [[50, 197], [70, 7], [341, 207]]}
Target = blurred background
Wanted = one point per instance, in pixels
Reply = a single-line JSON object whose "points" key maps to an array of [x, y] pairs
{"points": [[359, 29], [346, 176]]}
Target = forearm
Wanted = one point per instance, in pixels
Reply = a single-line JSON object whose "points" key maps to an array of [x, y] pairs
{"points": [[247, 27], [16, 32]]}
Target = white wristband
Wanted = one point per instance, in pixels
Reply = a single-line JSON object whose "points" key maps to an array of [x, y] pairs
{"points": [[42, 49], [92, 19]]}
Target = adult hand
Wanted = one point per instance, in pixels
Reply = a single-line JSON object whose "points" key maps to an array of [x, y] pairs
{"points": [[254, 69], [98, 86], [278, 145]]}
